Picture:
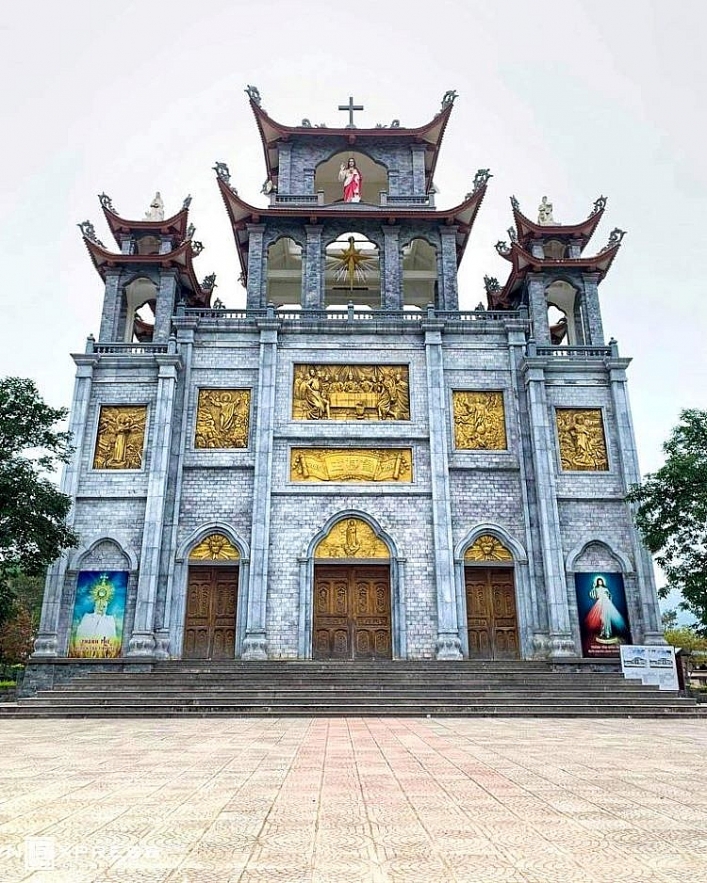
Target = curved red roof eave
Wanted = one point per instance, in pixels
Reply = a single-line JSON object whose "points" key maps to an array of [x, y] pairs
{"points": [[530, 229], [175, 225], [181, 257], [242, 213], [271, 131]]}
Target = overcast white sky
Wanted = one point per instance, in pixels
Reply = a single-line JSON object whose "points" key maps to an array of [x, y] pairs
{"points": [[569, 98]]}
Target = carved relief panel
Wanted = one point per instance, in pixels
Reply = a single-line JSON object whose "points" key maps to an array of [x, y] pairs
{"points": [[351, 538], [479, 421], [215, 547], [121, 437], [487, 548], [351, 392], [580, 432], [351, 464], [222, 418]]}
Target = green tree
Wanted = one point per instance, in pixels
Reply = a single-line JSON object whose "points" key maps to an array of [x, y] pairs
{"points": [[33, 531], [672, 513]]}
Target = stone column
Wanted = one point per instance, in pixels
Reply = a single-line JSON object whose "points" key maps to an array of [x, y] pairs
{"points": [[142, 642], [418, 169], [542, 435], [111, 307], [313, 270], [448, 644], [166, 305], [449, 292], [592, 310], [255, 641], [392, 275], [540, 326], [256, 294], [628, 459], [47, 643]]}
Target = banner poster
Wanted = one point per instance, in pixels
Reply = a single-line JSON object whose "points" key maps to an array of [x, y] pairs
{"points": [[652, 665], [99, 611], [603, 615]]}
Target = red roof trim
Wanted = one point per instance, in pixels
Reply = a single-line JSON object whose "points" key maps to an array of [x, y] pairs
{"points": [[175, 225], [528, 229]]}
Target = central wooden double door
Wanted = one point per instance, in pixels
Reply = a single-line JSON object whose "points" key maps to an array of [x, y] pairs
{"points": [[352, 618], [491, 613], [212, 602]]}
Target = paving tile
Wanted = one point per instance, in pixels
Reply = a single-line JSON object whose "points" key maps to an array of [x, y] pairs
{"points": [[357, 800]]}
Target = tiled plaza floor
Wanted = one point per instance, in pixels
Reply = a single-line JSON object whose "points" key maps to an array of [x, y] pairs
{"points": [[369, 800]]}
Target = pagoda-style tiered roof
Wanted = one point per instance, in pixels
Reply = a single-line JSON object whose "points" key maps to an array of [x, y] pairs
{"points": [[175, 226], [180, 258], [523, 260], [272, 133], [242, 214], [580, 234]]}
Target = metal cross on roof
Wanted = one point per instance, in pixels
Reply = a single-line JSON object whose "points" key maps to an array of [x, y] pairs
{"points": [[351, 107]]}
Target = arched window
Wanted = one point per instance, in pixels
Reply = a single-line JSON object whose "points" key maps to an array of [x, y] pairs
{"points": [[419, 273], [140, 302], [562, 303], [352, 271], [284, 272]]}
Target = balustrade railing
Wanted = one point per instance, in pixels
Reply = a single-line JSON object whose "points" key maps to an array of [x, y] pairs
{"points": [[128, 349], [572, 352]]}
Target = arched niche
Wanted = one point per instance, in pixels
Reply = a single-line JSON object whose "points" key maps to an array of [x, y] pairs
{"points": [[419, 265], [562, 303], [140, 301], [352, 271], [284, 272], [554, 249], [374, 177]]}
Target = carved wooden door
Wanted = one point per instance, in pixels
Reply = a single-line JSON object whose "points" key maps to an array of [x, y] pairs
{"points": [[352, 618], [491, 613], [210, 626]]}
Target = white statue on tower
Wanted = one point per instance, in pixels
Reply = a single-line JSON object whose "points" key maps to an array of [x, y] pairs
{"points": [[156, 209], [545, 213]]}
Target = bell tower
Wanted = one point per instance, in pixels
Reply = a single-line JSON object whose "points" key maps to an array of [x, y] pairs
{"points": [[553, 277]]}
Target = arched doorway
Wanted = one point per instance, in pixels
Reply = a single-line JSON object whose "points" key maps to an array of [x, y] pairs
{"points": [[491, 612], [212, 599], [352, 616]]}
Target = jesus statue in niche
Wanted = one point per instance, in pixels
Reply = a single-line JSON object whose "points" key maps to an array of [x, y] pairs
{"points": [[351, 178]]}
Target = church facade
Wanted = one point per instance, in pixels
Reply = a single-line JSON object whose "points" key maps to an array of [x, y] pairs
{"points": [[350, 466]]}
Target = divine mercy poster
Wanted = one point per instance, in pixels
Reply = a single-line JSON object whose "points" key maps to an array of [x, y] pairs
{"points": [[603, 613], [99, 612]]}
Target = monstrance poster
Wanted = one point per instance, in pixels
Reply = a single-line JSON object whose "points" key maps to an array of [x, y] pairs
{"points": [[603, 614], [99, 611]]}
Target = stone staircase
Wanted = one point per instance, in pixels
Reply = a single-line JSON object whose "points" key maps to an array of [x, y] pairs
{"points": [[336, 689]]}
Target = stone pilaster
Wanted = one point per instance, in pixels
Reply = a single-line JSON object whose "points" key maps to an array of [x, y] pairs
{"points": [[284, 168], [255, 641], [111, 307], [449, 299], [537, 303], [313, 270], [142, 641], [256, 291], [542, 436], [47, 643], [163, 636], [630, 473], [418, 169], [448, 643], [392, 275], [591, 309], [166, 305]]}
